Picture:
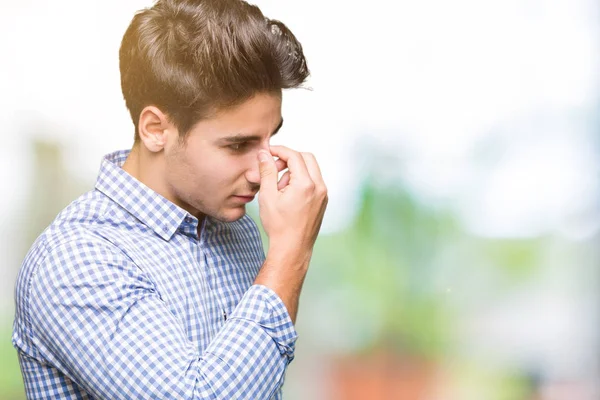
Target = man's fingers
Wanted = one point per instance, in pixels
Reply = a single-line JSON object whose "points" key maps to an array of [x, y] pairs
{"points": [[281, 165], [268, 172], [313, 168], [284, 181], [295, 163]]}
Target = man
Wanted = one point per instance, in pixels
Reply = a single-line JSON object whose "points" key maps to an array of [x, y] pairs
{"points": [[155, 285]]}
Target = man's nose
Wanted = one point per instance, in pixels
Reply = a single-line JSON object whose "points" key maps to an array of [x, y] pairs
{"points": [[253, 173]]}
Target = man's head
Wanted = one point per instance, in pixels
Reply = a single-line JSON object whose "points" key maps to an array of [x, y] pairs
{"points": [[195, 73]]}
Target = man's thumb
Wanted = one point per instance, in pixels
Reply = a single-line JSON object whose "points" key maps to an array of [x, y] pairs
{"points": [[268, 172]]}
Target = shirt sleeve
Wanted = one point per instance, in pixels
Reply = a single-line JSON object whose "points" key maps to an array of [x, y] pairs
{"points": [[99, 319]]}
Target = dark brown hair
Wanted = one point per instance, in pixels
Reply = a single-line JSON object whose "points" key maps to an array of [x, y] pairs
{"points": [[191, 58]]}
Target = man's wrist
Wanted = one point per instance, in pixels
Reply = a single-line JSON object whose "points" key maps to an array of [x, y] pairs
{"points": [[288, 258]]}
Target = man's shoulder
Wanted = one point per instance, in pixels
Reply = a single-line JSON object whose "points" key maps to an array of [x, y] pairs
{"points": [[72, 253], [71, 246], [78, 225], [78, 220]]}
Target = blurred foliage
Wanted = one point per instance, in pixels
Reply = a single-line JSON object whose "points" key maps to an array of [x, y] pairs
{"points": [[517, 258], [386, 276], [11, 383], [469, 380], [385, 260]]}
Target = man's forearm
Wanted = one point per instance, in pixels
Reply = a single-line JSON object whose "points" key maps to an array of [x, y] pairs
{"points": [[284, 273]]}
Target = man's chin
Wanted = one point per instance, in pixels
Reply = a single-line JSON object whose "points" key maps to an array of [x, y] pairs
{"points": [[231, 214]]}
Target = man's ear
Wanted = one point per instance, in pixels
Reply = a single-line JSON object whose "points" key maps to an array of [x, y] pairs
{"points": [[153, 128]]}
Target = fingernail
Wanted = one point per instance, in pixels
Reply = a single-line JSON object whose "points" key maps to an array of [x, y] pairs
{"points": [[263, 156]]}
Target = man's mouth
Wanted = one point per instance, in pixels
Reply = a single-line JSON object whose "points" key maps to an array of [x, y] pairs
{"points": [[245, 198]]}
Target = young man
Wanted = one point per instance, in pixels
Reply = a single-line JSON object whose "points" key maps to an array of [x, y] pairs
{"points": [[155, 285]]}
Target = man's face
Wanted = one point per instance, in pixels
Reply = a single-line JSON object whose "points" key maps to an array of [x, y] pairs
{"points": [[217, 165]]}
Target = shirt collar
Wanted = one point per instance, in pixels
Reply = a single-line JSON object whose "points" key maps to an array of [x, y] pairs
{"points": [[149, 207]]}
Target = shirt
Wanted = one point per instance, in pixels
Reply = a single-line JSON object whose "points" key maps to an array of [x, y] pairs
{"points": [[120, 298]]}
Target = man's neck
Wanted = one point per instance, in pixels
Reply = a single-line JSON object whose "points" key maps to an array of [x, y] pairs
{"points": [[149, 169]]}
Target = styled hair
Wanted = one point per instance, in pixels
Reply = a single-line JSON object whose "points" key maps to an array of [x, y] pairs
{"points": [[193, 58]]}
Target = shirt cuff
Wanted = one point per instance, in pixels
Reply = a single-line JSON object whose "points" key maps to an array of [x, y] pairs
{"points": [[261, 305]]}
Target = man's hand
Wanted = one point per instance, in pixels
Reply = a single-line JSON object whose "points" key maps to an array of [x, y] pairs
{"points": [[291, 212], [292, 209]]}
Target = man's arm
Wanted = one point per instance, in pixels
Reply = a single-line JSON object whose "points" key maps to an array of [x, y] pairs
{"points": [[99, 319], [291, 211]]}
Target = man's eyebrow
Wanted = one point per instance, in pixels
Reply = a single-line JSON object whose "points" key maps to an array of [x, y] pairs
{"points": [[240, 138]]}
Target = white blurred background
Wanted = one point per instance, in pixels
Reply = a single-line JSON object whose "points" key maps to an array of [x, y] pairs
{"points": [[487, 112]]}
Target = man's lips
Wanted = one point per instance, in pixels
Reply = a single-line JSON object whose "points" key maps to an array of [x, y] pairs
{"points": [[246, 198]]}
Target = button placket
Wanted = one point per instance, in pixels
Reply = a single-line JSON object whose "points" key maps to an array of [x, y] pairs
{"points": [[212, 282], [211, 269]]}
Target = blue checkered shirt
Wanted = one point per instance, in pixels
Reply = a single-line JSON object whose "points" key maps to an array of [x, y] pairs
{"points": [[120, 298]]}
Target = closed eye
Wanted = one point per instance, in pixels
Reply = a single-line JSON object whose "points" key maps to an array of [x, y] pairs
{"points": [[240, 142], [239, 147]]}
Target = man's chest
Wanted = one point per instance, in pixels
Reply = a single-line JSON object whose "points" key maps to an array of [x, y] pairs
{"points": [[200, 282]]}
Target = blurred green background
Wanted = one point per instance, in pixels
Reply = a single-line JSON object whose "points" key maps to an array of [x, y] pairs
{"points": [[459, 255]]}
